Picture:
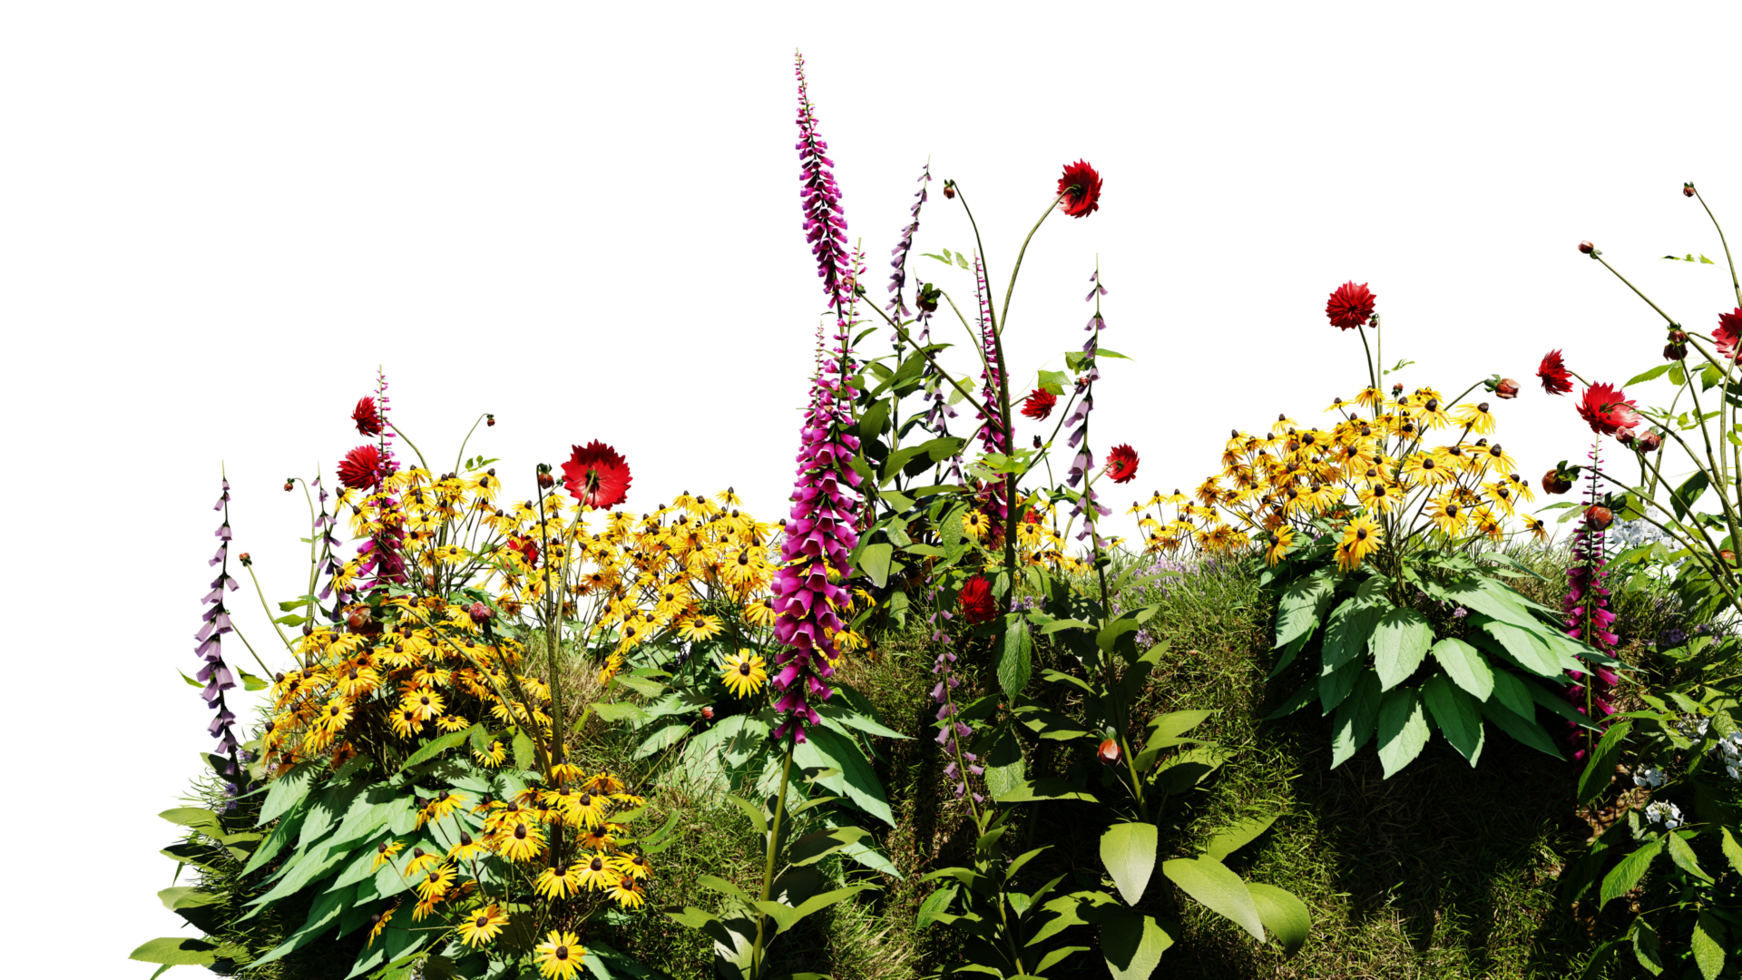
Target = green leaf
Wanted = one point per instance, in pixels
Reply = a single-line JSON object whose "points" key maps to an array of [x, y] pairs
{"points": [[1511, 692], [436, 746], [1625, 876], [1400, 642], [1210, 882], [1708, 944], [1457, 714], [195, 818], [1015, 658], [287, 791], [1683, 856], [1466, 666], [1601, 767], [1301, 607], [662, 739], [1132, 944], [857, 781], [787, 916], [186, 897], [1655, 372], [1128, 851], [176, 952], [1685, 495], [1403, 729], [1732, 850], [937, 901], [1044, 789], [1524, 729], [1235, 836], [1527, 648], [1645, 948], [1004, 766], [1283, 913], [620, 711], [1355, 719], [874, 561], [252, 683], [1349, 628]]}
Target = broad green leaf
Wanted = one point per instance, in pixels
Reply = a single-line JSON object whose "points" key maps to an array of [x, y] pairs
{"points": [[1283, 913], [1529, 650], [874, 560], [186, 897], [1648, 375], [1683, 856], [1511, 692], [174, 951], [287, 791], [937, 901], [1354, 721], [1015, 659], [1004, 766], [1349, 628], [436, 746], [1625, 876], [195, 818], [1457, 714], [1132, 944], [863, 719], [1210, 882], [1128, 851], [1732, 850], [1708, 945], [1400, 642], [662, 739], [1235, 836], [1466, 666], [1601, 767], [1403, 729], [1335, 683], [1523, 729], [1044, 789], [1645, 946], [619, 711], [1301, 607], [525, 752], [858, 781]]}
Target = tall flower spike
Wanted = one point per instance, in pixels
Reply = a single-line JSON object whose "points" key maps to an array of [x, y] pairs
{"points": [[992, 434], [951, 727], [216, 674], [1589, 618], [1087, 505], [898, 306], [820, 530]]}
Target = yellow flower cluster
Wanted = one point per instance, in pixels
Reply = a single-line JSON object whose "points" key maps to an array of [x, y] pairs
{"points": [[1373, 473], [1038, 539]]}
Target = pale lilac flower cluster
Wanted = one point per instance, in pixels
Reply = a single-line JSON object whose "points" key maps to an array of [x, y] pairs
{"points": [[216, 674], [951, 728], [820, 530], [898, 306], [1087, 505], [1667, 814]]}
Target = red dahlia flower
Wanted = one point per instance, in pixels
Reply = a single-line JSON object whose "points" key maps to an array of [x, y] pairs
{"points": [[1728, 332], [1081, 187], [1039, 405], [1350, 306], [527, 547], [360, 468], [597, 476], [1122, 463], [1553, 372], [976, 600], [1607, 409], [367, 418]]}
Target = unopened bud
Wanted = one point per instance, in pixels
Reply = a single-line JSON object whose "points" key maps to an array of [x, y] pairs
{"points": [[479, 612], [546, 481], [489, 420], [1037, 442], [1598, 517], [1727, 555], [708, 712], [246, 560], [357, 618], [288, 484], [1648, 441], [1587, 247], [950, 190], [1108, 753], [1624, 437], [1554, 481], [1687, 190], [1507, 388]]}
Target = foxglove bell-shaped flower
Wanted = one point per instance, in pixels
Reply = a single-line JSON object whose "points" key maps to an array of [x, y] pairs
{"points": [[215, 674]]}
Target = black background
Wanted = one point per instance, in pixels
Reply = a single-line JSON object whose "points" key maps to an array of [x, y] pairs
{"points": [[640, 277]]}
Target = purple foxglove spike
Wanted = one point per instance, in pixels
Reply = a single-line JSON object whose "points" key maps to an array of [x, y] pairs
{"points": [[223, 531], [220, 556]]}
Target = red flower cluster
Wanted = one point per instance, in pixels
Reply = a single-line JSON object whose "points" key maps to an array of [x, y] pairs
{"points": [[1081, 187], [1039, 405], [596, 476], [1728, 333], [367, 418], [527, 547], [361, 468], [1350, 306]]}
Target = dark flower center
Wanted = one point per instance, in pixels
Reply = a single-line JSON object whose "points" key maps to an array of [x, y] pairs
{"points": [[744, 669], [519, 831], [597, 865]]}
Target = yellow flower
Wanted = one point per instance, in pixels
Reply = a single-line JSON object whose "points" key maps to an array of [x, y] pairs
{"points": [[558, 882], [521, 842], [424, 705], [1421, 468], [1498, 459], [482, 926], [1379, 498], [1280, 540], [1487, 523], [385, 851], [627, 892], [380, 924], [559, 956], [633, 865], [438, 808], [1477, 417], [743, 673], [976, 523], [1360, 537], [1502, 495], [700, 627], [493, 757], [1448, 515], [1536, 528]]}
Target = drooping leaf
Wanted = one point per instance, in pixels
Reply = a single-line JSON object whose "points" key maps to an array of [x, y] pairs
{"points": [[1524, 729], [1235, 836], [1283, 913], [1601, 767], [1708, 945], [1625, 876], [1221, 890], [1458, 715], [1466, 666], [1355, 719], [858, 780], [176, 951], [1400, 642], [1132, 944], [1015, 658], [1302, 606]]}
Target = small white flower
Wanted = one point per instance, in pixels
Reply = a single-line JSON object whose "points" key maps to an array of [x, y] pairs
{"points": [[1667, 814], [1735, 771], [1648, 777]]}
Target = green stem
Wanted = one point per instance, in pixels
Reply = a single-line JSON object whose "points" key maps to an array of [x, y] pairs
{"points": [[933, 360], [264, 605], [1735, 284], [461, 455], [1004, 314], [401, 434], [768, 861]]}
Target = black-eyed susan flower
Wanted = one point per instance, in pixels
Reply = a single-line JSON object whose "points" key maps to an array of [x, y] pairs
{"points": [[1537, 528], [378, 923], [1280, 541], [744, 673], [482, 926], [633, 865], [1379, 497], [491, 757], [559, 956], [435, 810], [520, 841], [558, 882], [421, 860], [385, 851], [424, 705], [1448, 515], [1476, 417], [627, 892], [1360, 537], [596, 872], [467, 848]]}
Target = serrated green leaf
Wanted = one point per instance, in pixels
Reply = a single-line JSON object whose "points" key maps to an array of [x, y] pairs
{"points": [[1355, 719], [1349, 628], [1283, 913], [1132, 944], [1732, 850], [173, 951], [1466, 666], [1015, 659], [620, 711], [1683, 856], [1524, 729], [1708, 945], [1458, 715], [1625, 876], [1601, 767], [1004, 766]]}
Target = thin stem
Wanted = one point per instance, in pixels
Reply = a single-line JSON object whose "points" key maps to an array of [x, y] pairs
{"points": [[1372, 378], [979, 246], [768, 863], [461, 455], [1635, 289], [263, 604], [1004, 314], [933, 360], [1734, 283], [401, 434]]}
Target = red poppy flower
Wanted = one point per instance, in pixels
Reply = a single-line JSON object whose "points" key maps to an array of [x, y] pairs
{"points": [[1122, 464], [1081, 187], [976, 600], [1553, 372], [1728, 333], [1039, 405], [367, 418], [1607, 409], [360, 468], [1350, 305], [597, 476], [527, 547]]}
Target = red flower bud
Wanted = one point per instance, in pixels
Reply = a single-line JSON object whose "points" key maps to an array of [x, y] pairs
{"points": [[1648, 441], [246, 560], [546, 481], [489, 420], [1727, 555], [479, 612], [1555, 482], [1687, 190], [287, 486], [1624, 437], [1108, 753], [708, 712], [1586, 247], [1598, 517], [429, 581], [1507, 388], [357, 618], [950, 191]]}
